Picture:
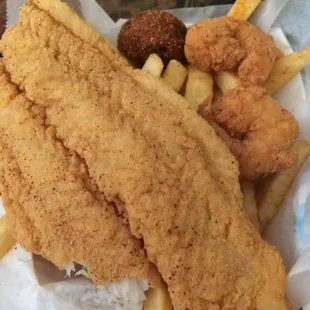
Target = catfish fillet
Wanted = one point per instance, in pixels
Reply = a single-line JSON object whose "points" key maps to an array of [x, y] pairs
{"points": [[53, 208], [142, 145]]}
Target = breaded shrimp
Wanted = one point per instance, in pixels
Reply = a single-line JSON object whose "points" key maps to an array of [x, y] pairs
{"points": [[263, 128], [227, 43]]}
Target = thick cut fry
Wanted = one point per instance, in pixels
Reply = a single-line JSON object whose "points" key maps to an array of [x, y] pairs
{"points": [[175, 75], [199, 87], [249, 202], [286, 68], [272, 191], [243, 9], [227, 139], [227, 80], [217, 93], [158, 299], [6, 240], [154, 65]]}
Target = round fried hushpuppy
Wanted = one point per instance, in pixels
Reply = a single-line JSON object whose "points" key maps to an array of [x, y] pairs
{"points": [[227, 43], [152, 32]]}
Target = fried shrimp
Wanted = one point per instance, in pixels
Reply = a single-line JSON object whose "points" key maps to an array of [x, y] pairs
{"points": [[227, 43], [262, 130]]}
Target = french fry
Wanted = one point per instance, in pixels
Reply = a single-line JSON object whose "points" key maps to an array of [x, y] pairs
{"points": [[286, 68], [217, 93], [199, 87], [158, 299], [227, 80], [221, 132], [6, 240], [154, 65], [175, 75], [249, 202], [272, 191], [243, 9]]}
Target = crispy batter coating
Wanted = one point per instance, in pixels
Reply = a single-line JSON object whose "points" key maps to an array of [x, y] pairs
{"points": [[264, 128], [144, 146], [54, 210], [8, 90], [227, 43]]}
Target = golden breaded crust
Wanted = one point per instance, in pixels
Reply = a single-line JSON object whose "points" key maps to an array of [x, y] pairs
{"points": [[54, 210], [227, 43], [266, 128]]}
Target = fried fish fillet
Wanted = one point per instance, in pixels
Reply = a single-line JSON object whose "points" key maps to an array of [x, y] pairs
{"points": [[143, 146], [53, 208]]}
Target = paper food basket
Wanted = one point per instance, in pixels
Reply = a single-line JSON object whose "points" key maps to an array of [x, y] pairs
{"points": [[30, 283]]}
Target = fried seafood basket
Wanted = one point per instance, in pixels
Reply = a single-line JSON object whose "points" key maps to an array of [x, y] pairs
{"points": [[278, 206]]}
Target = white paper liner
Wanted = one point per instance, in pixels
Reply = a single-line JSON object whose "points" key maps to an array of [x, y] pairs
{"points": [[267, 12], [19, 289]]}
